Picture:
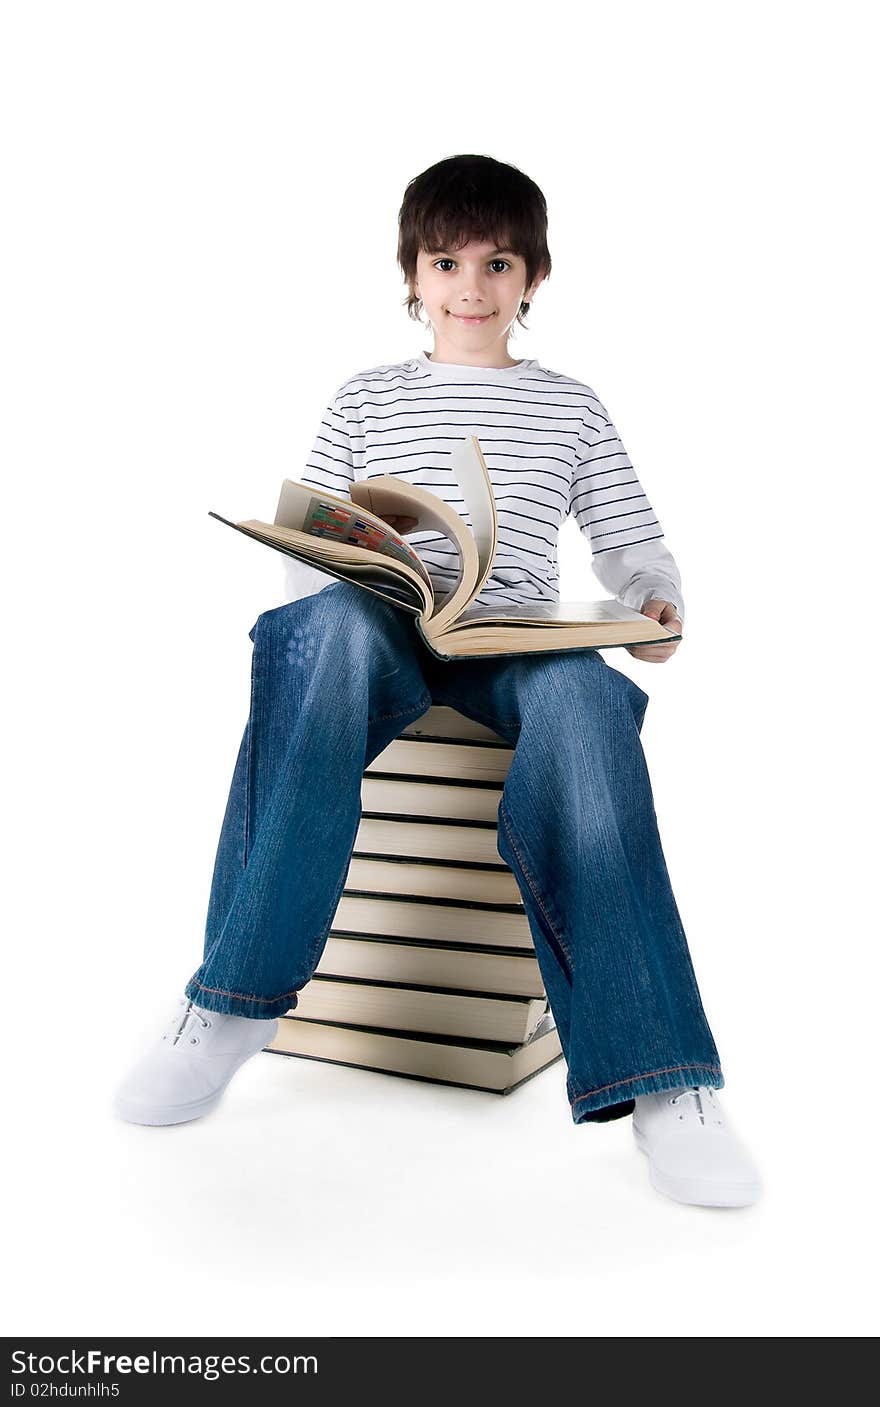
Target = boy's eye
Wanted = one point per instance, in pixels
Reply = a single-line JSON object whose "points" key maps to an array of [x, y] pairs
{"points": [[438, 262]]}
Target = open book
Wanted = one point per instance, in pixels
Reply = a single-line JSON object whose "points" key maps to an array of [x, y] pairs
{"points": [[348, 539]]}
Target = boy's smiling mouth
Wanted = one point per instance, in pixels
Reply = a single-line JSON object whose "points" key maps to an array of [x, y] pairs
{"points": [[468, 318]]}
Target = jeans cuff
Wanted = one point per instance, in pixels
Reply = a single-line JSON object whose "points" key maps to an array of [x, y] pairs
{"points": [[598, 1106], [238, 1003]]}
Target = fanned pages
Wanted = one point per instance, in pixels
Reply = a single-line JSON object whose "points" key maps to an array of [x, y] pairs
{"points": [[348, 538]]}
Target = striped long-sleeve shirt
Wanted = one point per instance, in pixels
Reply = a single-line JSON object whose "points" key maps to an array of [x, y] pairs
{"points": [[550, 448]]}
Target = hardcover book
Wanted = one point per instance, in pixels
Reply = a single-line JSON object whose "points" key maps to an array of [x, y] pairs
{"points": [[497, 1067], [349, 538]]}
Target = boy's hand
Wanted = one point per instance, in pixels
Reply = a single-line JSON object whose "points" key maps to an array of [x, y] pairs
{"points": [[401, 522], [665, 613]]}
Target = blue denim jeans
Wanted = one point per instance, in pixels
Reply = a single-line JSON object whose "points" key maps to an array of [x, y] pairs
{"points": [[335, 677]]}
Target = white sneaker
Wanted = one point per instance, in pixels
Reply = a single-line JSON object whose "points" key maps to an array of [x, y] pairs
{"points": [[185, 1073], [694, 1155]]}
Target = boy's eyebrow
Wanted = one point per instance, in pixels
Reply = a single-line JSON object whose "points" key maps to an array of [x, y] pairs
{"points": [[488, 256]]}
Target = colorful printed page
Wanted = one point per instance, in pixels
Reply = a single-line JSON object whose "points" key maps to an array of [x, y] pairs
{"points": [[325, 515]]}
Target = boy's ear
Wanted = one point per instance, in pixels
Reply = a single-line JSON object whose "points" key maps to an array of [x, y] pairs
{"points": [[528, 296]]}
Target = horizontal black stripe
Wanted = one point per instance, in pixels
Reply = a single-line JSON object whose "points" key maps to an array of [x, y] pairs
{"points": [[633, 513], [655, 538], [529, 517], [605, 501], [519, 410], [321, 469], [534, 537]]}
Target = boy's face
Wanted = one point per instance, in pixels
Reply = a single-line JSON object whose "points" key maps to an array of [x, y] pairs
{"points": [[472, 296]]}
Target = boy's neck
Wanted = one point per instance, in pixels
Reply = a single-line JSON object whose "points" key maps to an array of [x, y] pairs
{"points": [[496, 359], [486, 366]]}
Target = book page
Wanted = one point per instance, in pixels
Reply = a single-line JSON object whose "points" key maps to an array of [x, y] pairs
{"points": [[322, 514], [553, 612], [395, 581], [388, 494], [472, 476]]}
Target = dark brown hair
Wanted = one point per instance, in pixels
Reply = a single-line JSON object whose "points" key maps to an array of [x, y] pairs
{"points": [[472, 197]]}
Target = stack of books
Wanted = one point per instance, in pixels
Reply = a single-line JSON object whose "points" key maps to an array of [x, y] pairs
{"points": [[429, 970]]}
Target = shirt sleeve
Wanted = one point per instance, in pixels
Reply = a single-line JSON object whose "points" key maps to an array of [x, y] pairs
{"points": [[629, 555], [330, 466]]}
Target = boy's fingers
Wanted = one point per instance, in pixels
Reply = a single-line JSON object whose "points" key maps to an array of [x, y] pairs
{"points": [[658, 652]]}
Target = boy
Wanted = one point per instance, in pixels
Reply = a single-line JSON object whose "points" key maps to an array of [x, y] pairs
{"points": [[337, 674]]}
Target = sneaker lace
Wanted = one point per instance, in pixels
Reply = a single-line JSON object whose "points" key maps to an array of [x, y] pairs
{"points": [[699, 1101], [182, 1025]]}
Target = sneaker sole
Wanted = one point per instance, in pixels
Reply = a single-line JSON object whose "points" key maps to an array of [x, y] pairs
{"points": [[695, 1193], [159, 1115]]}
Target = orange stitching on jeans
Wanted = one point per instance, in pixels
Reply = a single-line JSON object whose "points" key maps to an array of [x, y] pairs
{"points": [[670, 1070], [242, 996], [381, 717]]}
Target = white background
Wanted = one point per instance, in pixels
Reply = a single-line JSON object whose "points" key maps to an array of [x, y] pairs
{"points": [[200, 236]]}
